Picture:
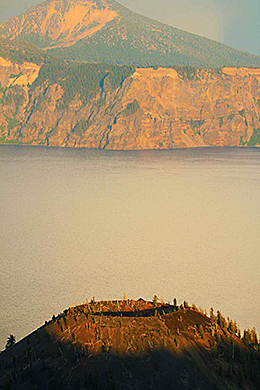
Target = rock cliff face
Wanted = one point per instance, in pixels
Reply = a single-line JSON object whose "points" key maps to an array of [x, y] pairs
{"points": [[151, 109]]}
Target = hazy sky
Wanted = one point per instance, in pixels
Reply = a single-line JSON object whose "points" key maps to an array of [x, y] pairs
{"points": [[233, 22]]}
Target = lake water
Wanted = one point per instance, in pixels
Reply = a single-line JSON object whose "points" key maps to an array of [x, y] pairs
{"points": [[78, 223]]}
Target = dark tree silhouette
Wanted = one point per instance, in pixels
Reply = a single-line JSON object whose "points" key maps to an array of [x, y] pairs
{"points": [[10, 341]]}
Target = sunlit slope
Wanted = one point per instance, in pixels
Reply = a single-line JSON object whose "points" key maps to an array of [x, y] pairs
{"points": [[133, 344], [59, 23], [105, 31], [48, 101]]}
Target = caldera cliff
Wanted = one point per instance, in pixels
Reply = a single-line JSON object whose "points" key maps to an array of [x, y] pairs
{"points": [[46, 101]]}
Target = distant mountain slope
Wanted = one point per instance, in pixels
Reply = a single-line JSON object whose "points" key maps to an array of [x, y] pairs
{"points": [[20, 51], [48, 101], [105, 31]]}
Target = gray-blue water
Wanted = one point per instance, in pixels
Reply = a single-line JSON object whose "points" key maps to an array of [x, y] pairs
{"points": [[77, 223]]}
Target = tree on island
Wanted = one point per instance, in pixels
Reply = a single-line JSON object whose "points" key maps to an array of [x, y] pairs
{"points": [[10, 341]]}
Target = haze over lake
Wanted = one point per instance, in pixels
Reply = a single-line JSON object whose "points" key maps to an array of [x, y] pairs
{"points": [[77, 223]]}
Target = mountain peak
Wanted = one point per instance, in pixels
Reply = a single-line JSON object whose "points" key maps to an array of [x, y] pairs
{"points": [[105, 31], [59, 23]]}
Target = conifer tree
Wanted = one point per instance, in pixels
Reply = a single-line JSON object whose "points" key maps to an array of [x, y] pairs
{"points": [[10, 341]]}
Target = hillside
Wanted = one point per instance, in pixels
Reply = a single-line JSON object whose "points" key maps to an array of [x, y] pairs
{"points": [[132, 344], [51, 102], [105, 31]]}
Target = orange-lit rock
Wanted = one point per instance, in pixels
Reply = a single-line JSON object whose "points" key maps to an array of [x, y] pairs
{"points": [[172, 110]]}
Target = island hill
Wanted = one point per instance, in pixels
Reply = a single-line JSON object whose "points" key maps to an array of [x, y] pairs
{"points": [[134, 344]]}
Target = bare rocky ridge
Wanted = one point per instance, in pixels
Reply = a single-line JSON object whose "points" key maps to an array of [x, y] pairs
{"points": [[160, 108], [60, 24]]}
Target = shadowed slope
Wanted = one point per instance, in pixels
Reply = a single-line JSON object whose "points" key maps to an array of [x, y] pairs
{"points": [[132, 345]]}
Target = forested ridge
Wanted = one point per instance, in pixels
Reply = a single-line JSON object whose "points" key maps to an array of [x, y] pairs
{"points": [[82, 80]]}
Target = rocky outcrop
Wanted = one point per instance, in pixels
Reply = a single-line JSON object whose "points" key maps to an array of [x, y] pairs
{"points": [[152, 109]]}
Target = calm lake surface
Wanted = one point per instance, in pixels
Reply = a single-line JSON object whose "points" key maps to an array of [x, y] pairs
{"points": [[77, 223]]}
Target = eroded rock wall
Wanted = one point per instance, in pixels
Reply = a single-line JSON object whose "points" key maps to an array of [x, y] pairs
{"points": [[152, 109]]}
